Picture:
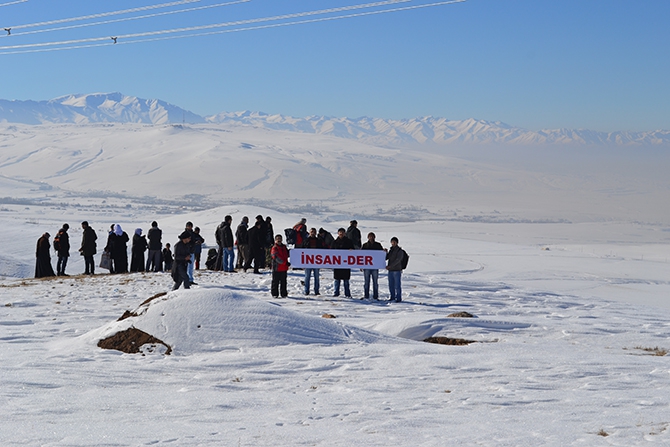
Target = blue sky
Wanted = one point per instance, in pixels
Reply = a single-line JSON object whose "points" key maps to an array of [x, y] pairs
{"points": [[596, 64]]}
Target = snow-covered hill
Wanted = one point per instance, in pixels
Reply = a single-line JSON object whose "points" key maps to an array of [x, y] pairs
{"points": [[118, 108], [209, 165]]}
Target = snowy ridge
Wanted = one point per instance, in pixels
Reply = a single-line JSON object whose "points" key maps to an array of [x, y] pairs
{"points": [[95, 108], [438, 131], [118, 108]]}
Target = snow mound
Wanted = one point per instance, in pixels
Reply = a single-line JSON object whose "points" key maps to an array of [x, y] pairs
{"points": [[213, 319]]}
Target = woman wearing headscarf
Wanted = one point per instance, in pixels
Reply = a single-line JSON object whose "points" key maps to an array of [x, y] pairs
{"points": [[137, 252], [43, 266], [118, 249]]}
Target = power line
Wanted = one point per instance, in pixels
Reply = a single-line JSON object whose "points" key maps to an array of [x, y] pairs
{"points": [[203, 27], [126, 19], [102, 14], [251, 28], [12, 3]]}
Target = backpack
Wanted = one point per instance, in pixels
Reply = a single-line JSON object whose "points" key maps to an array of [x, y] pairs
{"points": [[405, 260], [290, 236], [57, 242]]}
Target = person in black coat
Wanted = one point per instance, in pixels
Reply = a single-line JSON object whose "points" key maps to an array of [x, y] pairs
{"points": [[182, 258], [88, 247], [326, 238], [342, 243], [167, 257], [154, 236], [137, 251], [43, 266], [354, 234], [242, 241], [118, 249], [62, 247], [226, 243], [256, 247]]}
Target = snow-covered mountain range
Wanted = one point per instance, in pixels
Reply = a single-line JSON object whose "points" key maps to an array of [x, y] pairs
{"points": [[95, 108], [118, 108]]}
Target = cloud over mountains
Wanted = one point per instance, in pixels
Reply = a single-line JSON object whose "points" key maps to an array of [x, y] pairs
{"points": [[118, 108]]}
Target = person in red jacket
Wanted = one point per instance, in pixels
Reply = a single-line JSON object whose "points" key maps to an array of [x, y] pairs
{"points": [[280, 267]]}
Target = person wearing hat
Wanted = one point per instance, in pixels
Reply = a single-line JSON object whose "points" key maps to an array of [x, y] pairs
{"points": [[354, 234], [62, 247], [182, 258], [43, 266]]}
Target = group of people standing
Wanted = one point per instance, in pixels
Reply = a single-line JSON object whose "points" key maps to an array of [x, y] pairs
{"points": [[115, 253], [257, 246], [350, 239], [61, 244]]}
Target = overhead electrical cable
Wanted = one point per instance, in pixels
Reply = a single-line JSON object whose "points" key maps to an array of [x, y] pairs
{"points": [[104, 14], [203, 27], [251, 28], [126, 19], [12, 3]]}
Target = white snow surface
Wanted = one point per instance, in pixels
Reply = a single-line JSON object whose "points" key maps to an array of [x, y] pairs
{"points": [[215, 319], [562, 258]]}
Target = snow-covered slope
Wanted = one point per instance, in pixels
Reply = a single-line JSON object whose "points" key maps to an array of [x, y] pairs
{"points": [[208, 165]]}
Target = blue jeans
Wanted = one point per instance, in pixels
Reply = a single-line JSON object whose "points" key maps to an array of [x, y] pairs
{"points": [[308, 274], [374, 275], [336, 285], [189, 267], [228, 260], [394, 285]]}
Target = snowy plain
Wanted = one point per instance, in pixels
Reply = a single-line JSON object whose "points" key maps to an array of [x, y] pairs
{"points": [[560, 253]]}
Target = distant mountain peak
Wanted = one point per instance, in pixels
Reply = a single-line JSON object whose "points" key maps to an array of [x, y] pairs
{"points": [[95, 108], [116, 107]]}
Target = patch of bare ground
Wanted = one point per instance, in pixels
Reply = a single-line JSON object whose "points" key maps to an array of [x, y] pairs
{"points": [[129, 314], [328, 316], [658, 352], [131, 341], [11, 285], [150, 299], [449, 341], [461, 315]]}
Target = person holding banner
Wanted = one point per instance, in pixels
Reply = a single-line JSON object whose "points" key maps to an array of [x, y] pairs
{"points": [[342, 243], [312, 242], [280, 267], [373, 274]]}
